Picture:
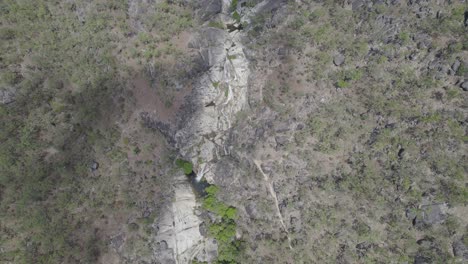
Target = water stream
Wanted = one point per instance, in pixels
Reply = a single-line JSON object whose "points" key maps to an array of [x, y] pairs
{"points": [[198, 186]]}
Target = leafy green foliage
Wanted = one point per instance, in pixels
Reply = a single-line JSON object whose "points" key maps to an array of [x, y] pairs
{"points": [[236, 16], [186, 166], [216, 24], [233, 5], [224, 230]]}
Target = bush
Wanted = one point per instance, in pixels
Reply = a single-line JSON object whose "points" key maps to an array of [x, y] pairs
{"points": [[186, 166], [342, 84], [224, 230], [216, 24], [233, 5], [236, 16]]}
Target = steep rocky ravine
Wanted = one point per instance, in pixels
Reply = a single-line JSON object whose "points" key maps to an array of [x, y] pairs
{"points": [[218, 95]]}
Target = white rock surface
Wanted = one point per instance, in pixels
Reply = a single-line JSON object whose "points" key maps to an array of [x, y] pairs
{"points": [[179, 239]]}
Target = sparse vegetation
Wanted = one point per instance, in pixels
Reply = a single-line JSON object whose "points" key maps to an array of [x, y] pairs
{"points": [[348, 146], [68, 65]]}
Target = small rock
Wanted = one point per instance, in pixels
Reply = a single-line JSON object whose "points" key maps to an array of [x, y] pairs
{"points": [[281, 128], [282, 51], [203, 229], [362, 248], [162, 245], [413, 56], [464, 85], [117, 241], [94, 166], [466, 19], [356, 5], [339, 59], [422, 260], [266, 168], [400, 153], [423, 40], [456, 65], [281, 140], [431, 214]]}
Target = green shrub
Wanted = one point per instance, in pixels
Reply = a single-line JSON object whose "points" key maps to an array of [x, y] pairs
{"points": [[317, 13], [342, 84], [462, 70], [186, 166], [216, 24], [224, 230], [233, 5], [404, 37], [236, 16]]}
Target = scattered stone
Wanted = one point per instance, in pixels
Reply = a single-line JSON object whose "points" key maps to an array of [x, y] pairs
{"points": [[94, 166], [423, 41], [460, 249], [234, 27], [117, 241], [464, 85], [211, 8], [466, 19], [267, 168], [282, 52], [362, 248], [252, 210], [146, 213], [281, 140], [212, 103], [339, 59], [203, 229], [456, 65], [259, 132], [413, 56], [356, 5], [283, 127], [431, 215], [162, 245], [400, 153]]}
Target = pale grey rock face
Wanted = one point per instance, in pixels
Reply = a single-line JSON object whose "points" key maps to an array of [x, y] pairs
{"points": [[217, 96], [223, 87], [178, 239]]}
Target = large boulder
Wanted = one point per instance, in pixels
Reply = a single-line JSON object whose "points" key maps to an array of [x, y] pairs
{"points": [[430, 215], [339, 59], [464, 85], [210, 43]]}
